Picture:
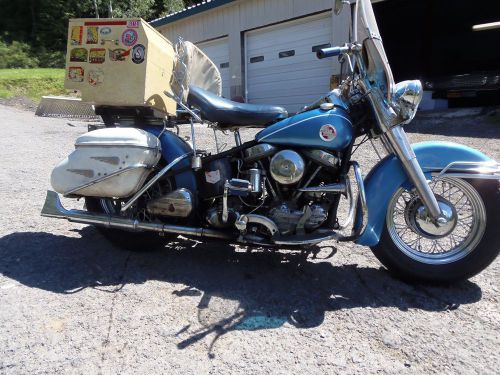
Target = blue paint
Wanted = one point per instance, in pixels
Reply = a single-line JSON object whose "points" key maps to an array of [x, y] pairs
{"points": [[303, 130], [388, 176], [172, 147], [261, 321]]}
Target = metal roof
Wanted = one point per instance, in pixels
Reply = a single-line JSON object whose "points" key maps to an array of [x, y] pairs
{"points": [[189, 11]]}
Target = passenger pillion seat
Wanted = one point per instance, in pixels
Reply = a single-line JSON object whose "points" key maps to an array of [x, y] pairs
{"points": [[229, 114]]}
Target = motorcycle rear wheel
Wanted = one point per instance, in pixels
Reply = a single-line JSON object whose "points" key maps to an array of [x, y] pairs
{"points": [[123, 239], [463, 250]]}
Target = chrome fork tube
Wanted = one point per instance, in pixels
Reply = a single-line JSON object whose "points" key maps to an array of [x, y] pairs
{"points": [[401, 146]]}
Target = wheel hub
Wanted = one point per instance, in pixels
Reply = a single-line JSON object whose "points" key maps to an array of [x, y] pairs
{"points": [[418, 218]]}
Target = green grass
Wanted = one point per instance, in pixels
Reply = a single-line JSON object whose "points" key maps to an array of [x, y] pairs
{"points": [[31, 83]]}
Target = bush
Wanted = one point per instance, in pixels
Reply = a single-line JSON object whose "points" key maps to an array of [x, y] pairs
{"points": [[16, 55], [51, 59]]}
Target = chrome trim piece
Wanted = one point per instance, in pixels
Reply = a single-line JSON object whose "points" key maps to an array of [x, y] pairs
{"points": [[470, 175], [340, 187], [352, 207], [287, 167], [308, 239], [259, 151], [154, 179], [357, 232], [491, 169], [257, 219], [103, 178], [403, 150], [53, 208]]}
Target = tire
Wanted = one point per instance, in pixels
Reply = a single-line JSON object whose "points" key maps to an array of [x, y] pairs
{"points": [[478, 249], [126, 240]]}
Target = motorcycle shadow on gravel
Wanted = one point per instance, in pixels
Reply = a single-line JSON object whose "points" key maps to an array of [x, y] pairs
{"points": [[239, 289]]}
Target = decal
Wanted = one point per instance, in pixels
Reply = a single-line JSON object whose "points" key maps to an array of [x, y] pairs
{"points": [[138, 53], [105, 30], [118, 54], [76, 35], [92, 34], [212, 177], [95, 77], [133, 24], [129, 37], [75, 74], [105, 23], [97, 55], [78, 55], [327, 133]]}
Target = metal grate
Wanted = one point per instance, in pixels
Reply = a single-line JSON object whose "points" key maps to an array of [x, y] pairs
{"points": [[65, 107]]}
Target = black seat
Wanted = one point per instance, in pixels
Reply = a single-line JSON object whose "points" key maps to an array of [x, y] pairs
{"points": [[233, 114]]}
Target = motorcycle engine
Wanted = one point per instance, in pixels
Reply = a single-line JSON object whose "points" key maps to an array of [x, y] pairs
{"points": [[287, 167], [288, 219]]}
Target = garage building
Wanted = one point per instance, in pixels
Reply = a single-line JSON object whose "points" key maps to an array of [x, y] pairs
{"points": [[265, 49]]}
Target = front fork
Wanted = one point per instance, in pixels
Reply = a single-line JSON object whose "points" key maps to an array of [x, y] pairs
{"points": [[398, 141]]}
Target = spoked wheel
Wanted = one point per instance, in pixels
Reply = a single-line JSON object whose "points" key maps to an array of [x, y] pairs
{"points": [[131, 240], [460, 245]]}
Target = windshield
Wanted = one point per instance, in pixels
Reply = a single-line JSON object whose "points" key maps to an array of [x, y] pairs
{"points": [[375, 60]]}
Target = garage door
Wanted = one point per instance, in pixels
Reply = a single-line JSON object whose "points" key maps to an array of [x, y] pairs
{"points": [[281, 63], [218, 51]]}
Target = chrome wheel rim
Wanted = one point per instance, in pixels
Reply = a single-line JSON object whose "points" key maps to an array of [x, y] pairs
{"points": [[462, 239]]}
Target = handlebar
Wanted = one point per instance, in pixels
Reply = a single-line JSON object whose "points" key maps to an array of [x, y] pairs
{"points": [[331, 52]]}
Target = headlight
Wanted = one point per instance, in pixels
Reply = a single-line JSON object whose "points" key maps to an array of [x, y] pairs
{"points": [[407, 96]]}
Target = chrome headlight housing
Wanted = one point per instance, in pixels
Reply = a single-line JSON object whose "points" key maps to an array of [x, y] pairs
{"points": [[406, 99]]}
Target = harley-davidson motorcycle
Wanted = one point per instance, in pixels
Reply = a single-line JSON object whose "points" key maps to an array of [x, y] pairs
{"points": [[429, 211]]}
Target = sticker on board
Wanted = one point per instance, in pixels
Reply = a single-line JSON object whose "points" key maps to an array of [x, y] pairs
{"points": [[78, 55], [118, 54], [105, 30], [134, 24], [327, 133], [97, 55], [76, 74], [129, 37], [92, 34], [95, 77], [138, 53], [76, 35]]}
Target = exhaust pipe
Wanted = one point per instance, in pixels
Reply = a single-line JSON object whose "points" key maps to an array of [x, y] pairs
{"points": [[54, 208]]}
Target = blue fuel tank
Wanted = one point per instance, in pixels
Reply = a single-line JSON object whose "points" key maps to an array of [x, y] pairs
{"points": [[327, 130]]}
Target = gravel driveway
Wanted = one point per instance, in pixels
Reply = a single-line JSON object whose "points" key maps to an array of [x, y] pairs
{"points": [[72, 303]]}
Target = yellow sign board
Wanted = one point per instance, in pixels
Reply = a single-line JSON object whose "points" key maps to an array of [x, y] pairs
{"points": [[119, 62]]}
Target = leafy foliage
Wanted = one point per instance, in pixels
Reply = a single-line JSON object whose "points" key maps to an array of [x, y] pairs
{"points": [[16, 55]]}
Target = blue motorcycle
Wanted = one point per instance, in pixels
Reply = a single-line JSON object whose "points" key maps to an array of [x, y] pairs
{"points": [[429, 211]]}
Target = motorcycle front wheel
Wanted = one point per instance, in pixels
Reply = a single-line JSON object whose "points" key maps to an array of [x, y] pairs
{"points": [[414, 249]]}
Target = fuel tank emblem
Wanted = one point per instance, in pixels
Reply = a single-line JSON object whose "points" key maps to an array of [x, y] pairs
{"points": [[327, 133]]}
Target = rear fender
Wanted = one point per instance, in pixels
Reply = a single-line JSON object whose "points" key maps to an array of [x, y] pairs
{"points": [[172, 147], [388, 176]]}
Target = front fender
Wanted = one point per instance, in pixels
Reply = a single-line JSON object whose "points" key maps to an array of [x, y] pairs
{"points": [[388, 176]]}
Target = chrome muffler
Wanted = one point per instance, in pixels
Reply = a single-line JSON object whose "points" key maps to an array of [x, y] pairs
{"points": [[54, 208]]}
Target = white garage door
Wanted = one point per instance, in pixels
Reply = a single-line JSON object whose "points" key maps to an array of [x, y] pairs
{"points": [[218, 51], [281, 63]]}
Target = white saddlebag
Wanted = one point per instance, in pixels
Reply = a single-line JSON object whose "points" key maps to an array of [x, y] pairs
{"points": [[111, 163]]}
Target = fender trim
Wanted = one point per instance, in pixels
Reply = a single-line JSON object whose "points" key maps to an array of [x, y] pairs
{"points": [[388, 176]]}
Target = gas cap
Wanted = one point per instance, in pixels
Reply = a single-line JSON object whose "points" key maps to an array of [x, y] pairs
{"points": [[326, 106]]}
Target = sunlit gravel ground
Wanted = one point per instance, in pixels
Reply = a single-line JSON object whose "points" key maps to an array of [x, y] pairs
{"points": [[72, 303]]}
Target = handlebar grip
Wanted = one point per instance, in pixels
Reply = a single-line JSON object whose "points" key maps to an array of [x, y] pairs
{"points": [[331, 52]]}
